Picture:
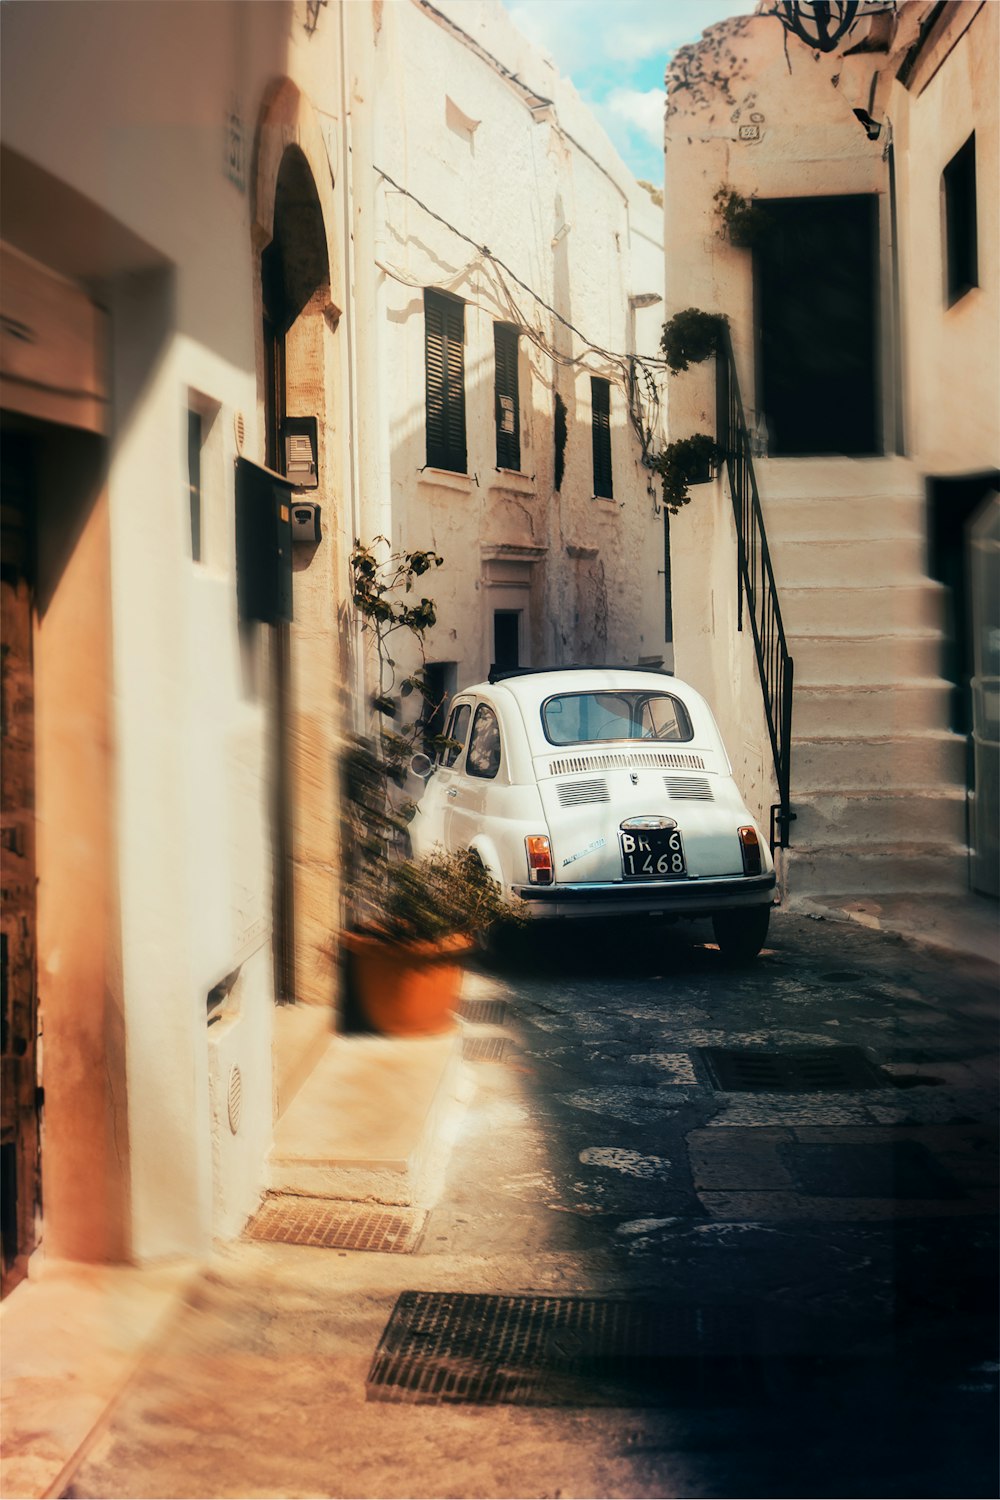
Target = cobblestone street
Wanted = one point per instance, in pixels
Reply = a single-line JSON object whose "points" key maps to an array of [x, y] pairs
{"points": [[814, 1265]]}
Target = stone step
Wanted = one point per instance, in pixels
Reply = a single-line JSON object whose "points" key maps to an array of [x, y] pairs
{"points": [[790, 518], [821, 610], [887, 763], [828, 660], [810, 870], [871, 708], [882, 562], [370, 1121], [862, 818], [830, 478]]}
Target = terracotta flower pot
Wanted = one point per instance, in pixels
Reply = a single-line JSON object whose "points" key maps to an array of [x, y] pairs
{"points": [[405, 989]]}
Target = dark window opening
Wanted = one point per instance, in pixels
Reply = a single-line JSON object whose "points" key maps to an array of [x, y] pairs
{"points": [[508, 416], [561, 434], [441, 678], [816, 293], [8, 1204], [600, 400], [506, 638], [194, 481], [668, 608], [953, 501], [444, 353], [961, 230]]}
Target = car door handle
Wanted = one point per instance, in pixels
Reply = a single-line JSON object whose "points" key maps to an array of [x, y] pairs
{"points": [[453, 791]]}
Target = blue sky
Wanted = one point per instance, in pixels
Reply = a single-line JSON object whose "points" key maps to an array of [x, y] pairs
{"points": [[615, 54]]}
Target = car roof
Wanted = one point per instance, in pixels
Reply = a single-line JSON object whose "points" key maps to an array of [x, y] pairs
{"points": [[528, 690]]}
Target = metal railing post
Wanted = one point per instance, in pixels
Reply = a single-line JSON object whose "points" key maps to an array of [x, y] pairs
{"points": [[756, 585]]}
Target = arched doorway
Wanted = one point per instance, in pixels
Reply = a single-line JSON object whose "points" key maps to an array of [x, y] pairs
{"points": [[295, 287], [295, 224]]}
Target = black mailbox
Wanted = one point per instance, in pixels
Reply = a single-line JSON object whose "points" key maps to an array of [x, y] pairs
{"points": [[263, 544]]}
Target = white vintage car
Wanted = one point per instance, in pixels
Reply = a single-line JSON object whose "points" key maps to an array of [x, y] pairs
{"points": [[592, 791]]}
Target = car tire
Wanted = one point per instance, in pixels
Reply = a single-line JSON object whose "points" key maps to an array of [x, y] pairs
{"points": [[742, 933]]}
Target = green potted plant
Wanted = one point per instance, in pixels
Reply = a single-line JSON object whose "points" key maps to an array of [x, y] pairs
{"points": [[686, 461], [405, 960], [690, 337], [411, 921], [744, 221]]}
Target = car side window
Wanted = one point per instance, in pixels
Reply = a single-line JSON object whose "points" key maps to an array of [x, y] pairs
{"points": [[484, 747], [458, 728]]}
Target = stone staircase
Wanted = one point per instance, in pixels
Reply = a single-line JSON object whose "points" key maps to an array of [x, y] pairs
{"points": [[878, 780]]}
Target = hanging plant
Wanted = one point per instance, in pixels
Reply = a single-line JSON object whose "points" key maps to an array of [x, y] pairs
{"points": [[690, 337], [687, 461], [745, 222]]}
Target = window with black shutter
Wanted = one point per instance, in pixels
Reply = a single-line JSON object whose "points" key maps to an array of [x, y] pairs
{"points": [[561, 433], [600, 401], [508, 416], [444, 349], [961, 233]]}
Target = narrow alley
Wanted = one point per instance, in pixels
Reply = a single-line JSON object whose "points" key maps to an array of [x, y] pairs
{"points": [[647, 1275]]}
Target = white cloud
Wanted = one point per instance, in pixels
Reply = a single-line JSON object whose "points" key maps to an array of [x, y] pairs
{"points": [[641, 110], [587, 33]]}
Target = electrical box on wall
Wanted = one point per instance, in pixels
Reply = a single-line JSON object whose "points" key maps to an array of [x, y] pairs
{"points": [[263, 544], [300, 444], [305, 521]]}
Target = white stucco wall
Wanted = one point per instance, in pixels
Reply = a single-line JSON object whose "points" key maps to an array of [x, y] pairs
{"points": [[951, 354], [448, 127], [92, 96], [741, 115], [138, 125]]}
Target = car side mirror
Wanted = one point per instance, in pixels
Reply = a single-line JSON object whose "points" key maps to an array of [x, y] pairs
{"points": [[421, 765]]}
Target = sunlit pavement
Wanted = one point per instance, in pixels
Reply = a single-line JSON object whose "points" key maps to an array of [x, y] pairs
{"points": [[827, 1256]]}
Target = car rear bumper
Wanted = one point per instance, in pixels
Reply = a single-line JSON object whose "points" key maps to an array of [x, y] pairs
{"points": [[692, 897]]}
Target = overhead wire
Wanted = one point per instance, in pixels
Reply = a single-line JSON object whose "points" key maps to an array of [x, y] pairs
{"points": [[634, 373]]}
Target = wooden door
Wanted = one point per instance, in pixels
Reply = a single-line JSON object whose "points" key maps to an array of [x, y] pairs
{"points": [[20, 1191], [815, 272]]}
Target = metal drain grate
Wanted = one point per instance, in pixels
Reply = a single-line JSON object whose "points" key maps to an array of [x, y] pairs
{"points": [[796, 1071], [286, 1220], [553, 1351], [484, 1049], [483, 1012]]}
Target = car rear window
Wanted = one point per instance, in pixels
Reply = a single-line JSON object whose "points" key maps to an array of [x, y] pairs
{"points": [[581, 718]]}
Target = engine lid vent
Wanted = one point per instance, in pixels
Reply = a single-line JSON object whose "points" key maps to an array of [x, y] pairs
{"points": [[629, 760], [571, 793], [689, 788]]}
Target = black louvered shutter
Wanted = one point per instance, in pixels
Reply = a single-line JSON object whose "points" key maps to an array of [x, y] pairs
{"points": [[444, 348], [600, 399], [508, 416]]}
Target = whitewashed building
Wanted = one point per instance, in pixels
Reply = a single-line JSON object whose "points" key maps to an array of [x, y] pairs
{"points": [[515, 268], [861, 301], [235, 239]]}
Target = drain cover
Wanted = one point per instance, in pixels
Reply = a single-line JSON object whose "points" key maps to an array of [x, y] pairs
{"points": [[483, 1012], [286, 1220], [796, 1071], [554, 1351], [484, 1049]]}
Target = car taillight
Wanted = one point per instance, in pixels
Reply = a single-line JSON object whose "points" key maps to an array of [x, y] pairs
{"points": [[750, 847], [539, 853]]}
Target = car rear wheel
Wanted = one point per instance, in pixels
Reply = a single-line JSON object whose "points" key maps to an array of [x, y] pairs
{"points": [[741, 934]]}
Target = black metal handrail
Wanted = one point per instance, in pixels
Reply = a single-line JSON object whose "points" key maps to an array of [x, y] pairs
{"points": [[756, 584]]}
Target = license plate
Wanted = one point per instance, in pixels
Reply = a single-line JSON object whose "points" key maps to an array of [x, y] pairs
{"points": [[652, 854]]}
